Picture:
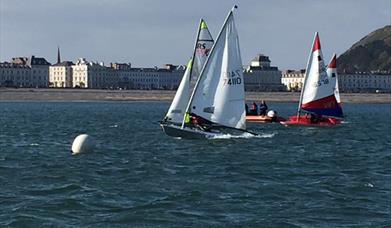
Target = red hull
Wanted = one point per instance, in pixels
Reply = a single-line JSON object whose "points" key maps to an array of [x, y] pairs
{"points": [[306, 121], [263, 119]]}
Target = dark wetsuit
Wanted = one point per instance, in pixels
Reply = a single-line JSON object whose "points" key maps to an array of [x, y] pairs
{"points": [[262, 109]]}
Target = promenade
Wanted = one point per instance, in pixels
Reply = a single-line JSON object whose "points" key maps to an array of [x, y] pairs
{"points": [[80, 95]]}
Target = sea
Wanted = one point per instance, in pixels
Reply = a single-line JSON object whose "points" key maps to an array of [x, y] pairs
{"points": [[139, 177]]}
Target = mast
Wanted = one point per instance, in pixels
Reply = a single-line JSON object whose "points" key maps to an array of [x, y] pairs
{"points": [[206, 62], [195, 48], [305, 77]]}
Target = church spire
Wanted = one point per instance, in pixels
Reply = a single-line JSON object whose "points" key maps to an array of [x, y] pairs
{"points": [[58, 55]]}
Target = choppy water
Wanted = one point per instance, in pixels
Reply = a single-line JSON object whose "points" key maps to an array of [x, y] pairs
{"points": [[288, 177]]}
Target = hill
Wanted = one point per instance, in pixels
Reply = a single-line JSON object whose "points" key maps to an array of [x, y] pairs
{"points": [[371, 53]]}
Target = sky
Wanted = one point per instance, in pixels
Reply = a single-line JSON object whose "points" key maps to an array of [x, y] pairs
{"points": [[150, 33]]}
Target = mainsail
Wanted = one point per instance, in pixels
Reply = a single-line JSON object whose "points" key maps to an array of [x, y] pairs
{"points": [[218, 95], [318, 92], [201, 50], [203, 45]]}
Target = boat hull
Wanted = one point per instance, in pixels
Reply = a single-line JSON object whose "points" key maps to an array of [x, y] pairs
{"points": [[306, 121], [263, 119], [186, 132]]}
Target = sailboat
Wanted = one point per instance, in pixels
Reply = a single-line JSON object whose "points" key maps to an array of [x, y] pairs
{"points": [[317, 99], [202, 47], [217, 103]]}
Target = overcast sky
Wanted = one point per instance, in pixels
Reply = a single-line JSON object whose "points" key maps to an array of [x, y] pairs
{"points": [[151, 33]]}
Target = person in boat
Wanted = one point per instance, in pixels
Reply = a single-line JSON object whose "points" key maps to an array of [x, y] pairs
{"points": [[263, 108], [254, 109], [200, 123], [314, 118], [246, 108]]}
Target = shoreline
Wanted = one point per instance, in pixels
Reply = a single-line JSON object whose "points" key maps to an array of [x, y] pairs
{"points": [[95, 95]]}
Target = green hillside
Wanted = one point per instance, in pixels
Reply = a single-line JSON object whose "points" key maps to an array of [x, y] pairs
{"points": [[371, 53]]}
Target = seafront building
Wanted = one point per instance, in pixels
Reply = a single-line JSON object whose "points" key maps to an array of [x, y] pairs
{"points": [[25, 72], [36, 72], [93, 75], [293, 80], [60, 75], [167, 77], [347, 82], [86, 74], [261, 76], [364, 82]]}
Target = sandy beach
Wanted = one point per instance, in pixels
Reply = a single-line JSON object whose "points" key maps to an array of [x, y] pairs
{"points": [[81, 95]]}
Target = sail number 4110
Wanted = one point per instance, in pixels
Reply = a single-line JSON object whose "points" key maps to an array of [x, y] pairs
{"points": [[232, 78]]}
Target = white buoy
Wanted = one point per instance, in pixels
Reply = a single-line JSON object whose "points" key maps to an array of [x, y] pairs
{"points": [[82, 143]]}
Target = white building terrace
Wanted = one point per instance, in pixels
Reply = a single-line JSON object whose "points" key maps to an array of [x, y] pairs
{"points": [[168, 77], [293, 80], [93, 75], [258, 76], [60, 75], [25, 72], [348, 82], [364, 82], [86, 74]]}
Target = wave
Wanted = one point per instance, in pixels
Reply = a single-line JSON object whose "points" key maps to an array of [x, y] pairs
{"points": [[245, 135]]}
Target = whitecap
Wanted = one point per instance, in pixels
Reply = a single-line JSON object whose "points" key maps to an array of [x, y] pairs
{"points": [[369, 185], [34, 144], [115, 125], [245, 135]]}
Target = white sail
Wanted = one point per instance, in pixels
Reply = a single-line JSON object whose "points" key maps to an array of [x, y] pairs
{"points": [[178, 106], [203, 46], [318, 92], [333, 77], [219, 92], [201, 51], [317, 84], [336, 91]]}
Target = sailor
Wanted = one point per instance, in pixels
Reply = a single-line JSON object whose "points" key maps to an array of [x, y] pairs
{"points": [[200, 123], [314, 118], [246, 107], [254, 109], [262, 108]]}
